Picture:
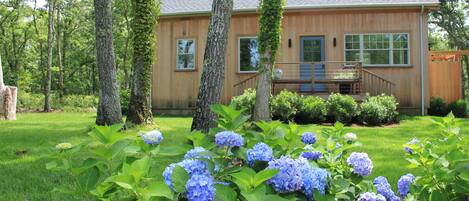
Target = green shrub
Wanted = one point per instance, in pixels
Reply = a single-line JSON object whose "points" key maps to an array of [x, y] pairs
{"points": [[285, 105], [311, 109], [342, 108], [378, 110], [438, 107], [459, 108], [125, 100], [245, 101], [70, 103]]}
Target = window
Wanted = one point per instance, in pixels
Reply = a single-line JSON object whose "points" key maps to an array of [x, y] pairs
{"points": [[248, 55], [185, 57], [384, 49]]}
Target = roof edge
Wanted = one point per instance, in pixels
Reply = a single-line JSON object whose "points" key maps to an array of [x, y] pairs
{"points": [[374, 5]]}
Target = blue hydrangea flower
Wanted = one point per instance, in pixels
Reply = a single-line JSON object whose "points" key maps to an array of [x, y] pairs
{"points": [[370, 196], [412, 142], [196, 153], [403, 184], [308, 138], [312, 155], [312, 178], [383, 188], [229, 139], [289, 177], [152, 137], [192, 167], [361, 163], [260, 152], [200, 187]]}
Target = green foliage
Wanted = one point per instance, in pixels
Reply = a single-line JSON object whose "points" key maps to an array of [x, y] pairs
{"points": [[311, 109], [459, 108], [342, 108], [125, 100], [245, 101], [437, 107], [285, 105], [270, 22], [443, 162], [378, 110], [34, 102]]}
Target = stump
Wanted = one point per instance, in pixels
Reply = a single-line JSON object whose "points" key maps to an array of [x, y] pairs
{"points": [[8, 97]]}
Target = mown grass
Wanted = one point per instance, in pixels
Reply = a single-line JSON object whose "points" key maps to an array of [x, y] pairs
{"points": [[25, 143]]}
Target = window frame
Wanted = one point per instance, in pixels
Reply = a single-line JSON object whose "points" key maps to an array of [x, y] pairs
{"points": [[390, 49], [239, 53], [177, 55]]}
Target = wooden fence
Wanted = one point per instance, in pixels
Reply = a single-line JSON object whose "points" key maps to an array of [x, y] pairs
{"points": [[445, 74]]}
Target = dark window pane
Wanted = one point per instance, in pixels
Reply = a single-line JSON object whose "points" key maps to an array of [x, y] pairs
{"points": [[376, 56], [400, 41], [185, 54], [352, 55], [186, 61], [401, 56], [248, 54]]}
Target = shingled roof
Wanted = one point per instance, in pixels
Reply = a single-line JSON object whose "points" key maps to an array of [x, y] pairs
{"points": [[189, 7]]}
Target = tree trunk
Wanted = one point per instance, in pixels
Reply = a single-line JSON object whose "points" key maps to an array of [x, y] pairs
{"points": [[126, 51], [466, 82], [50, 40], [59, 57], [263, 89], [213, 74], [143, 25], [8, 96], [109, 109]]}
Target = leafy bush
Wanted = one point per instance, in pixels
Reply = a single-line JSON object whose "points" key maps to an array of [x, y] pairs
{"points": [[443, 162], [459, 108], [311, 109], [276, 162], [125, 100], [437, 107], [35, 102], [342, 108], [285, 105], [245, 101], [378, 110]]}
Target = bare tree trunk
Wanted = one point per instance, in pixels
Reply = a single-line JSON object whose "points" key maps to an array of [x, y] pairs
{"points": [[59, 57], [126, 50], [109, 109], [213, 74], [263, 89], [8, 97], [145, 15], [50, 40]]}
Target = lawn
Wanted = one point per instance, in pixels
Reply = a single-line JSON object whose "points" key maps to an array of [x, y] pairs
{"points": [[25, 143]]}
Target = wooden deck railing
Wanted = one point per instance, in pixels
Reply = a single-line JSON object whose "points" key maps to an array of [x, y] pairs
{"points": [[332, 79]]}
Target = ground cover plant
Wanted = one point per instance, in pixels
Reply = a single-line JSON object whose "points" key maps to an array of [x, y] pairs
{"points": [[24, 142], [275, 161]]}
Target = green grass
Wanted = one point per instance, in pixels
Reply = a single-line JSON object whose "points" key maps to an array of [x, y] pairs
{"points": [[24, 177]]}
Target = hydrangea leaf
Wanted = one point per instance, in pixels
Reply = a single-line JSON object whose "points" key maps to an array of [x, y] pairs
{"points": [[263, 176], [160, 189], [224, 193], [179, 178]]}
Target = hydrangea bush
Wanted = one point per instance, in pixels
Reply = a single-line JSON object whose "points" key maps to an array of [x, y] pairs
{"points": [[271, 161]]}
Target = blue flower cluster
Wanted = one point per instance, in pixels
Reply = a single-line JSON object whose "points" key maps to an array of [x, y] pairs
{"points": [[312, 155], [370, 196], [196, 152], [412, 142], [312, 178], [289, 178], [383, 188], [152, 137], [229, 139], [361, 163], [193, 167], [260, 152], [308, 138], [403, 185], [200, 187]]}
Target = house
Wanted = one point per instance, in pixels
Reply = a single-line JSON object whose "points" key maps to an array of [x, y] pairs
{"points": [[346, 46]]}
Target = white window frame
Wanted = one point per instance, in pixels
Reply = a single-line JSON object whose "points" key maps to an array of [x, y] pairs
{"points": [[177, 55], [390, 50], [239, 53]]}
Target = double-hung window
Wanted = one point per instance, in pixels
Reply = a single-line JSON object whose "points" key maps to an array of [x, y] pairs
{"points": [[381, 49], [185, 55], [248, 55]]}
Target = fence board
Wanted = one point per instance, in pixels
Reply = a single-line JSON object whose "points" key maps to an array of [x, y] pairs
{"points": [[445, 76]]}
